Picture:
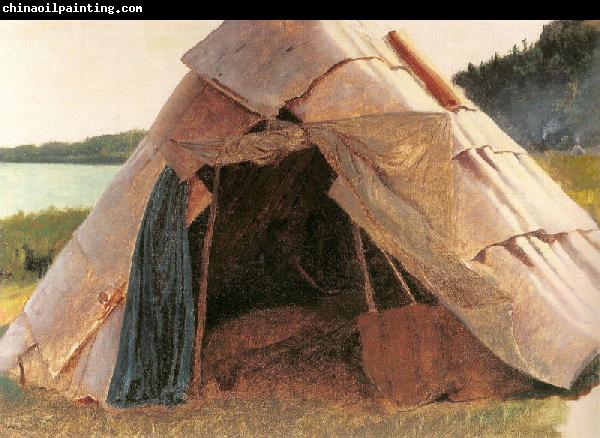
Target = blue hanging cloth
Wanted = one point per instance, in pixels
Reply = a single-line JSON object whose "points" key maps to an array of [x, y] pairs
{"points": [[154, 361]]}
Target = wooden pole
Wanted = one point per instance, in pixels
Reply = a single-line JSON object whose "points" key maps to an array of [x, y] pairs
{"points": [[194, 389], [362, 261], [400, 278], [295, 262], [435, 84], [21, 372]]}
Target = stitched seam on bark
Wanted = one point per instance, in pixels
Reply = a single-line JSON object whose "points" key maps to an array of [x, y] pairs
{"points": [[306, 94], [511, 242]]}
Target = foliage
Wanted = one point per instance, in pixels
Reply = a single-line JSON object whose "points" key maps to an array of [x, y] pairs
{"points": [[102, 149], [28, 242], [544, 93]]}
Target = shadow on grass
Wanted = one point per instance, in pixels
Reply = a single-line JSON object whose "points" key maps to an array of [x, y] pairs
{"points": [[9, 390], [587, 380]]}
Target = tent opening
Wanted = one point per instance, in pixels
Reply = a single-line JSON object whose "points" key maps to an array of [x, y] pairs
{"points": [[283, 252], [280, 240]]}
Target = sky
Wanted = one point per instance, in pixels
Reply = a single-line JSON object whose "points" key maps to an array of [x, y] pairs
{"points": [[68, 80]]}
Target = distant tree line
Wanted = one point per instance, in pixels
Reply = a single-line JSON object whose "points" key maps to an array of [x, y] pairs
{"points": [[547, 93], [101, 149]]}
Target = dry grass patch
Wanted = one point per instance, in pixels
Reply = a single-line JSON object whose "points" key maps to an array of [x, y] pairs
{"points": [[579, 176], [41, 413], [12, 300]]}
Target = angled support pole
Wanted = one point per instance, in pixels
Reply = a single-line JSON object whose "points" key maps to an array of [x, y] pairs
{"points": [[400, 278], [362, 261], [194, 389]]}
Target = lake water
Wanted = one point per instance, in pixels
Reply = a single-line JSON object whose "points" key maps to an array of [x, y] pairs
{"points": [[36, 186]]}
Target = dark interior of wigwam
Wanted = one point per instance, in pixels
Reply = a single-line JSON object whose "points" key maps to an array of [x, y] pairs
{"points": [[284, 284]]}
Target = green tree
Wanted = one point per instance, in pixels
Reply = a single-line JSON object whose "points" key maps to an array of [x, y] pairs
{"points": [[545, 92], [114, 148]]}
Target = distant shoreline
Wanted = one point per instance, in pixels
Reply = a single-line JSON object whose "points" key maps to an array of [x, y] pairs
{"points": [[104, 162], [102, 149]]}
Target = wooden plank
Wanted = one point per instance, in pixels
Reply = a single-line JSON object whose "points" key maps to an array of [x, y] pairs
{"points": [[402, 354], [194, 389], [362, 261]]}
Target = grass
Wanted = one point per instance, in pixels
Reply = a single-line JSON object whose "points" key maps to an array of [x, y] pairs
{"points": [[579, 176], [43, 413], [43, 234], [12, 300]]}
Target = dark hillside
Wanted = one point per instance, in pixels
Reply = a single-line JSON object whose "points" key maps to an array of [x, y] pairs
{"points": [[547, 93]]}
